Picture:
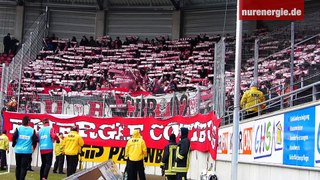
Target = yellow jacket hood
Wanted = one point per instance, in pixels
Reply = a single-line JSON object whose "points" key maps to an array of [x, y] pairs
{"points": [[136, 134]]}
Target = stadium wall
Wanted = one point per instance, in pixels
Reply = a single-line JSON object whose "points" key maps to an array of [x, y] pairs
{"points": [[213, 22], [7, 22]]}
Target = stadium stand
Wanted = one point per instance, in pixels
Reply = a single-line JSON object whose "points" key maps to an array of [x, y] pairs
{"points": [[158, 68]]}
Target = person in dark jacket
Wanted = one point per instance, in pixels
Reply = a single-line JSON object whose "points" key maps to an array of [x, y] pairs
{"points": [[168, 158], [182, 155], [7, 43]]}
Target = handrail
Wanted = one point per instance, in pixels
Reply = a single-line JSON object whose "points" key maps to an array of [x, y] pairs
{"points": [[281, 97], [303, 41], [296, 83], [287, 94]]}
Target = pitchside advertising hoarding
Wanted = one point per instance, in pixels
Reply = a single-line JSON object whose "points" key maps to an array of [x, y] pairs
{"points": [[106, 138], [271, 10], [292, 138], [317, 138]]}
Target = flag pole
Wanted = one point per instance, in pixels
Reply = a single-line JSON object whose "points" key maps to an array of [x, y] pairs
{"points": [[235, 141]]}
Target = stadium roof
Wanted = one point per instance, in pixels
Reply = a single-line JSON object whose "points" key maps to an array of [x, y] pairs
{"points": [[115, 4]]}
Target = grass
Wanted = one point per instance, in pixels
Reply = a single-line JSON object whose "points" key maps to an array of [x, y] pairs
{"points": [[35, 175]]}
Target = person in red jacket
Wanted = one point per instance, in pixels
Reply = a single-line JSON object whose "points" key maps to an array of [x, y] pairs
{"points": [[47, 136]]}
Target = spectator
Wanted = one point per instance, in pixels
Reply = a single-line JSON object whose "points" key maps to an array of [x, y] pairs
{"points": [[7, 43], [182, 155], [84, 41], [58, 151], [74, 39], [273, 105], [12, 104], [250, 98], [92, 42], [117, 43], [47, 137], [146, 41], [24, 140], [4, 148], [136, 151], [203, 72], [72, 145], [168, 158]]}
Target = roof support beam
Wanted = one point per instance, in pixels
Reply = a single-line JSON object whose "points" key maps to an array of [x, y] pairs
{"points": [[20, 2], [176, 4], [100, 4]]}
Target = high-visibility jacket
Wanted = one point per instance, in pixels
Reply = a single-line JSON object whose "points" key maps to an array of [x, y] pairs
{"points": [[24, 140], [72, 143], [58, 147], [252, 97], [168, 158], [182, 156], [4, 142], [136, 148], [45, 142]]}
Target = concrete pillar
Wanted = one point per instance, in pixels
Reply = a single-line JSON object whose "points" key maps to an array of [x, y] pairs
{"points": [[19, 22], [100, 23], [176, 25]]}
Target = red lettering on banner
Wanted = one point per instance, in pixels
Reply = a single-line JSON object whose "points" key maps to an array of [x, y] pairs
{"points": [[96, 109], [114, 132], [49, 107]]}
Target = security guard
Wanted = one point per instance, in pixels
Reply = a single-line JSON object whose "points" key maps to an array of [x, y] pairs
{"points": [[136, 151], [250, 98], [24, 140], [58, 152], [168, 158], [4, 148], [182, 155], [72, 144]]}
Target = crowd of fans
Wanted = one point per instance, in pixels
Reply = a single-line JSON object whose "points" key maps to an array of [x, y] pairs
{"points": [[92, 65], [157, 66]]}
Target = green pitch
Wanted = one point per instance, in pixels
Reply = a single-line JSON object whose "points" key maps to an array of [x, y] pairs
{"points": [[35, 175]]}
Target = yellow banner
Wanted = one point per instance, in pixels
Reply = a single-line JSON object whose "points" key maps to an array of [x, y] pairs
{"points": [[101, 154]]}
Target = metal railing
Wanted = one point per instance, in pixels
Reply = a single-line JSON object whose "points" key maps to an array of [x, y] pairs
{"points": [[299, 96], [28, 51]]}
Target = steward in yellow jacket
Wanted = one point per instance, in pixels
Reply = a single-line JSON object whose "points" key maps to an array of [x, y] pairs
{"points": [[4, 147], [72, 144], [136, 151], [252, 97], [58, 152]]}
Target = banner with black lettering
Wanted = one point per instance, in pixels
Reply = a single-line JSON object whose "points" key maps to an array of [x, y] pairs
{"points": [[114, 132], [99, 154]]}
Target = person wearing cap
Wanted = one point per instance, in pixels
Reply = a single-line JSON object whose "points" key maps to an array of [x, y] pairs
{"points": [[168, 158], [182, 158], [24, 141], [72, 144], [4, 148], [58, 151], [12, 104], [250, 98], [47, 136], [135, 152]]}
